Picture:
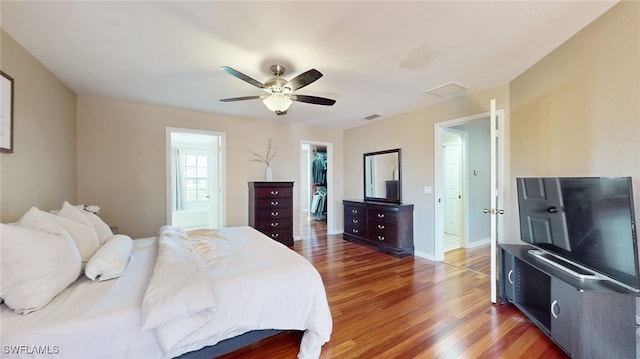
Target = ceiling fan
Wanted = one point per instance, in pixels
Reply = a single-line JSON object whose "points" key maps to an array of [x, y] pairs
{"points": [[280, 91]]}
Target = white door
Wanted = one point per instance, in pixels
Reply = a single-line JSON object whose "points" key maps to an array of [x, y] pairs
{"points": [[453, 190], [495, 211]]}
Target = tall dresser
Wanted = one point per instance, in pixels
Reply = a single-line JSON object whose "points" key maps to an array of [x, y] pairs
{"points": [[387, 227], [271, 209]]}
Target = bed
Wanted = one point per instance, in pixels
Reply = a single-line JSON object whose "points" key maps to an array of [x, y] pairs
{"points": [[192, 294]]}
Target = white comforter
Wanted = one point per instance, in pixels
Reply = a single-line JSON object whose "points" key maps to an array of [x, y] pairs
{"points": [[213, 285]]}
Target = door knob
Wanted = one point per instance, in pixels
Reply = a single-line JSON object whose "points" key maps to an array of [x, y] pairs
{"points": [[493, 211]]}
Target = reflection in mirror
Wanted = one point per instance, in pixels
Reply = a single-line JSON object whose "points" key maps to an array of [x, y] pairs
{"points": [[382, 176]]}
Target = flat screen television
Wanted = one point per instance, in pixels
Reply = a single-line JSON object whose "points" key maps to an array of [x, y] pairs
{"points": [[587, 221]]}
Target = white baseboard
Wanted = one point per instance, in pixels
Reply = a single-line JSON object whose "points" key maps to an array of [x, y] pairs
{"points": [[479, 243], [424, 255]]}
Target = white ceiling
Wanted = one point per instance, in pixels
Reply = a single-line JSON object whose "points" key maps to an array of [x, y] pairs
{"points": [[377, 57]]}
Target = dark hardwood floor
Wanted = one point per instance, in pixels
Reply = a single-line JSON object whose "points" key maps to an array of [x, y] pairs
{"points": [[385, 307]]}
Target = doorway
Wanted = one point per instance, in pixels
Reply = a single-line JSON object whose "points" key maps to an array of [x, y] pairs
{"points": [[195, 168], [315, 189], [475, 138]]}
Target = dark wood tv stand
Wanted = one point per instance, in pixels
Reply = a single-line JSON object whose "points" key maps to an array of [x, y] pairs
{"points": [[587, 318]]}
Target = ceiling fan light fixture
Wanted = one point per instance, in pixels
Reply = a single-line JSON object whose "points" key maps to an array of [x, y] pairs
{"points": [[277, 103]]}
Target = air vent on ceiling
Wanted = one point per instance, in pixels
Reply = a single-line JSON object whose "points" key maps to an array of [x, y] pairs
{"points": [[447, 89], [371, 117]]}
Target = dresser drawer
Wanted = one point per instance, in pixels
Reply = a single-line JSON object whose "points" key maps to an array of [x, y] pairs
{"points": [[382, 215], [273, 224], [355, 211], [382, 227], [355, 221], [384, 238], [273, 203], [355, 230], [282, 235], [275, 213], [280, 192]]}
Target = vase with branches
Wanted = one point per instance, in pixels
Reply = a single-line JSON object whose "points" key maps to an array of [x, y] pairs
{"points": [[271, 153]]}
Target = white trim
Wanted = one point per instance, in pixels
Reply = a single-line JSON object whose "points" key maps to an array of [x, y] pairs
{"points": [[222, 170], [479, 243], [425, 256], [495, 183], [331, 211]]}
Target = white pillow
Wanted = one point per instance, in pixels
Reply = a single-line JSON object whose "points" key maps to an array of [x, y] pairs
{"points": [[39, 220], [82, 234], [103, 231], [111, 259], [80, 228], [36, 266], [74, 213]]}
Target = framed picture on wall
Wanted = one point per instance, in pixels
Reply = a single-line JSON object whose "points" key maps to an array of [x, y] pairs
{"points": [[6, 113]]}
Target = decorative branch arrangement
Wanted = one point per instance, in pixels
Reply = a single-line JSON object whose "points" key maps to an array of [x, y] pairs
{"points": [[266, 159]]}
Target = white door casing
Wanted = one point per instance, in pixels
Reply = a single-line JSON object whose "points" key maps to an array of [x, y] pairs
{"points": [[213, 143], [497, 177]]}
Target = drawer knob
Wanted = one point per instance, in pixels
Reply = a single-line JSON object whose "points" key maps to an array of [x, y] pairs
{"points": [[274, 203], [380, 215], [354, 211], [274, 224], [275, 235], [275, 214], [380, 226], [355, 220], [381, 238], [274, 193], [355, 230]]}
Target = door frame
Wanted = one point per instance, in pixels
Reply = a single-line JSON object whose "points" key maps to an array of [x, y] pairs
{"points": [[438, 180], [222, 205], [330, 187]]}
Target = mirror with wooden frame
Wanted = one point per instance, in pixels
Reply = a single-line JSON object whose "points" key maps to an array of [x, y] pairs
{"points": [[383, 176]]}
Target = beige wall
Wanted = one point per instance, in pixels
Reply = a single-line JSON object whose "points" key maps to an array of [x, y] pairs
{"points": [[122, 159], [413, 132], [577, 111], [41, 171]]}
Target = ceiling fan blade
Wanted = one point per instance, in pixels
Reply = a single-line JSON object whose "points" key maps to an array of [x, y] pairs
{"points": [[240, 98], [313, 99], [242, 76], [304, 79]]}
